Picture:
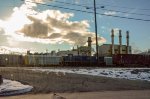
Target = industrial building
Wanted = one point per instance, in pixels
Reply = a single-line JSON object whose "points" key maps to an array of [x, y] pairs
{"points": [[86, 50], [105, 50], [113, 49], [66, 53], [80, 51]]}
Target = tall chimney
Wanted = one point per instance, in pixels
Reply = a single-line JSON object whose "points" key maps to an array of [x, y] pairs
{"points": [[120, 42], [89, 45], [89, 41], [127, 37], [112, 40]]}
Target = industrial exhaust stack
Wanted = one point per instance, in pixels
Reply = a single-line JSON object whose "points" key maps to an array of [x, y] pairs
{"points": [[89, 45], [120, 42], [112, 40], [89, 42], [127, 37]]}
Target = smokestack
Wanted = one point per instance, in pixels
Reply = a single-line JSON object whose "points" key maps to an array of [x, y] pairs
{"points": [[89, 44], [89, 41], [127, 37], [112, 38], [120, 42]]}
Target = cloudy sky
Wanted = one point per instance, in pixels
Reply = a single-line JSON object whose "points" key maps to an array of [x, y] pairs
{"points": [[40, 25]]}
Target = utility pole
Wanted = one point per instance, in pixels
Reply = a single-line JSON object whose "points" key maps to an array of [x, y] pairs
{"points": [[96, 30]]}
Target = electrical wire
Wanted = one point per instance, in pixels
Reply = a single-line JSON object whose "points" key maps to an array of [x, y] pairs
{"points": [[126, 12], [131, 8], [90, 12], [102, 8], [71, 4]]}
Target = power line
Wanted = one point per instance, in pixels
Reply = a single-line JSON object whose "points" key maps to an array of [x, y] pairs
{"points": [[131, 8], [61, 7], [71, 4], [90, 12], [103, 8], [125, 12], [101, 5], [126, 17]]}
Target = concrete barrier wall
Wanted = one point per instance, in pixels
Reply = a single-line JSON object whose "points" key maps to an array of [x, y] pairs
{"points": [[59, 82]]}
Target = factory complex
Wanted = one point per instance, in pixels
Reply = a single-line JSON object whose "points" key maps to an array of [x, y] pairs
{"points": [[108, 55]]}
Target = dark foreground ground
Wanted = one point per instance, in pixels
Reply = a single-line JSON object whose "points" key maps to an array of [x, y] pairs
{"points": [[131, 94], [46, 82]]}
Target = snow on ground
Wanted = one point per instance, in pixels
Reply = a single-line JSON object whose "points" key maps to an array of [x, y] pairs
{"points": [[126, 73], [10, 87]]}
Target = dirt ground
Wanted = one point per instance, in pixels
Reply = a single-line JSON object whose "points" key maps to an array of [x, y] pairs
{"points": [[76, 86], [44, 82], [130, 94]]}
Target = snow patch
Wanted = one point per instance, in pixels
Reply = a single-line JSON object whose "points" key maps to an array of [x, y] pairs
{"points": [[125, 73], [10, 87]]}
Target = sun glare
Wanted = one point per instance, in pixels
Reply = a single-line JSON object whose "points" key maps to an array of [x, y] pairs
{"points": [[15, 22]]}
